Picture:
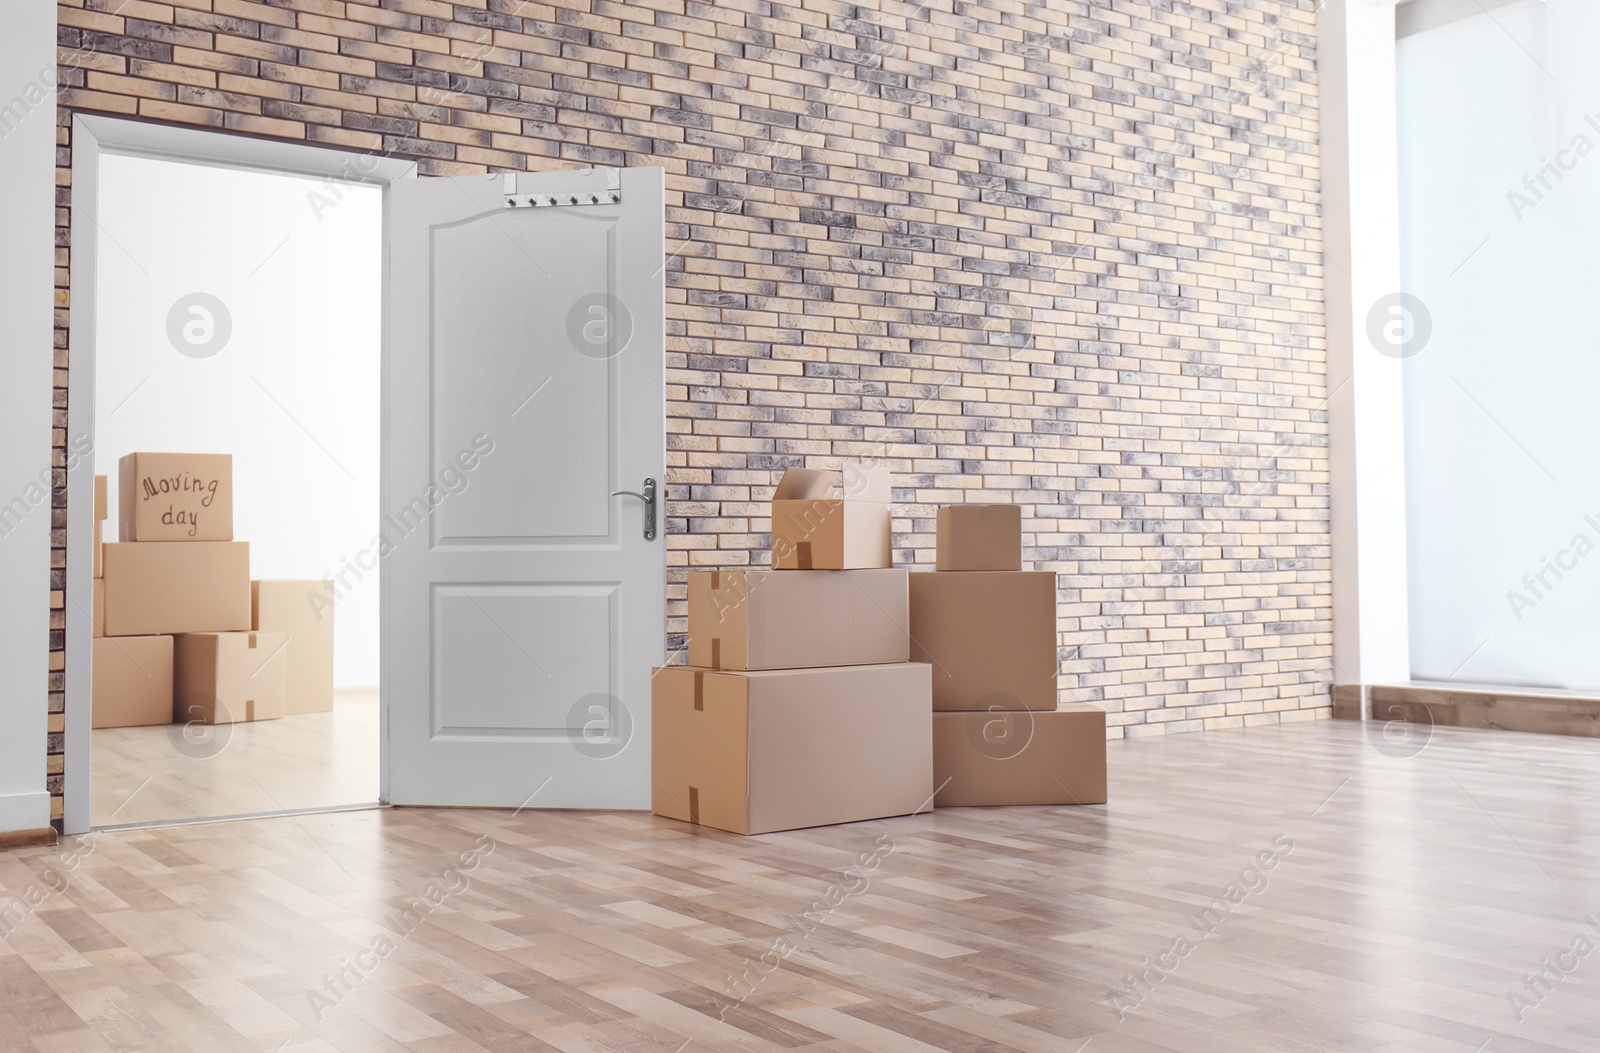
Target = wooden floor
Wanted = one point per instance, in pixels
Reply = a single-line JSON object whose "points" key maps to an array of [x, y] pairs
{"points": [[308, 760], [1405, 890]]}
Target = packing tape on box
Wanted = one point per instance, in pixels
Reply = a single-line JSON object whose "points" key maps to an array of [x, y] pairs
{"points": [[716, 652], [699, 691], [802, 555], [694, 804]]}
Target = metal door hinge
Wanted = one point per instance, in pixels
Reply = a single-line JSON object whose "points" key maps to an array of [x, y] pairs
{"points": [[599, 186]]}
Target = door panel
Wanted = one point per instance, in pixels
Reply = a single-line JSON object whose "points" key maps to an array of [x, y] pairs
{"points": [[524, 385], [495, 642], [558, 419]]}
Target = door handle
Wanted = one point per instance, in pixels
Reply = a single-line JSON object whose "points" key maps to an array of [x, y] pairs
{"points": [[649, 499]]}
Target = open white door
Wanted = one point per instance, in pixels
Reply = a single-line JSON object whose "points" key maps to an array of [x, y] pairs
{"points": [[523, 603]]}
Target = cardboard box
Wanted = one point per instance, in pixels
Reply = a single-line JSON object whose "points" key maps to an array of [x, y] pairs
{"points": [[827, 520], [182, 587], [175, 497], [990, 637], [131, 681], [102, 508], [979, 537], [1020, 757], [774, 619], [754, 752], [228, 678], [97, 613], [302, 611]]}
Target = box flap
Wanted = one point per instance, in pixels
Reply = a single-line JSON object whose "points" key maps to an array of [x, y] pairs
{"points": [[867, 482], [803, 484]]}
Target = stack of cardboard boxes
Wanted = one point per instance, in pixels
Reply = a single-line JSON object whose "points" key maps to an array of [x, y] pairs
{"points": [[799, 706], [183, 634], [988, 629], [132, 674]]}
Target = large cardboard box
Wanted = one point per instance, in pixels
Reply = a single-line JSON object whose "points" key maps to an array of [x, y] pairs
{"points": [[827, 520], [302, 611], [181, 587], [228, 678], [777, 619], [1020, 757], [132, 681], [753, 752], [990, 637], [979, 537], [175, 497]]}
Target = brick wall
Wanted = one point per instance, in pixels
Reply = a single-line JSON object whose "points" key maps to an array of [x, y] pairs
{"points": [[1066, 253]]}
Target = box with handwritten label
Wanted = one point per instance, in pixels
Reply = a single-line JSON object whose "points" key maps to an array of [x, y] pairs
{"points": [[175, 497]]}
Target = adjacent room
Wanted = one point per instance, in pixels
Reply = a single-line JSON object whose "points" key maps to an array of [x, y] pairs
{"points": [[237, 340]]}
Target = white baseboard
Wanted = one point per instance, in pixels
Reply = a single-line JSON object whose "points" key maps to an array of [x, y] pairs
{"points": [[24, 811]]}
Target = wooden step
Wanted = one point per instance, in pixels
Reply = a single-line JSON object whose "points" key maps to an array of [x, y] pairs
{"points": [[1551, 712]]}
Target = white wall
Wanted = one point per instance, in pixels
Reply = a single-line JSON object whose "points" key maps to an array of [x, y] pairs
{"points": [[1499, 406], [27, 222], [1355, 69], [293, 394]]}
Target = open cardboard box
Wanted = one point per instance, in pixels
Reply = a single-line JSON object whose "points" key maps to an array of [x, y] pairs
{"points": [[832, 520]]}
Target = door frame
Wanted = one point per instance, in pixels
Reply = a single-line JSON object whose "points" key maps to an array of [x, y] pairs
{"points": [[92, 136]]}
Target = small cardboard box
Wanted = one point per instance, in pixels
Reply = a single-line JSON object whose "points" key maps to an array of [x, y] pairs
{"points": [[102, 507], [827, 520], [99, 552], [755, 752], [302, 611], [175, 497], [181, 587], [97, 613], [228, 678], [769, 619], [131, 681], [1020, 757], [979, 537], [990, 637]]}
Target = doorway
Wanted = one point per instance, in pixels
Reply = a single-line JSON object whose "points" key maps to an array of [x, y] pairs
{"points": [[228, 301], [239, 313], [523, 431]]}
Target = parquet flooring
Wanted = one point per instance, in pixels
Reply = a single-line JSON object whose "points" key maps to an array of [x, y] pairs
{"points": [[305, 760], [1399, 896]]}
